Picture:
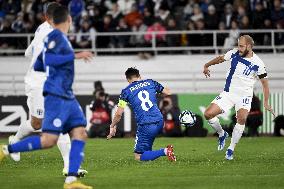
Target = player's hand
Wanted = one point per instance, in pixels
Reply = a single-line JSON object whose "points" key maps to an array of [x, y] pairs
{"points": [[269, 108], [112, 131], [86, 55], [206, 71]]}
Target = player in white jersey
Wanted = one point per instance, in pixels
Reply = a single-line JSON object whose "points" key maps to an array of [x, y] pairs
{"points": [[34, 82], [246, 68]]}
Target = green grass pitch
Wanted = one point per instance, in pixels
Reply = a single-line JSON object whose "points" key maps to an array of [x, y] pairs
{"points": [[258, 163]]}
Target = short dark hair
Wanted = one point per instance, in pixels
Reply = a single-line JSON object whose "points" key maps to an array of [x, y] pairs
{"points": [[49, 9], [60, 15], [132, 72]]}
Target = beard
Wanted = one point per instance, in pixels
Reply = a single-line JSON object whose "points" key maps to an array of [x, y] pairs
{"points": [[244, 54]]}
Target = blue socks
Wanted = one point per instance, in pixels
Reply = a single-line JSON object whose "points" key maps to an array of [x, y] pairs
{"points": [[28, 144], [76, 156], [152, 155]]}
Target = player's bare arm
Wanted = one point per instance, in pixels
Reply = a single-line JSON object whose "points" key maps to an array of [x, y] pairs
{"points": [[115, 121], [265, 87], [215, 61]]}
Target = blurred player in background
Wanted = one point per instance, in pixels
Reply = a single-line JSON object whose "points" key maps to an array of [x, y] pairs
{"points": [[34, 81], [141, 96], [63, 113], [246, 67]]}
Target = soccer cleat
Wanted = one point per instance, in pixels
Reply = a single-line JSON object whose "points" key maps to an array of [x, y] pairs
{"points": [[222, 141], [76, 185], [2, 154], [170, 153], [15, 156], [81, 172], [229, 154]]}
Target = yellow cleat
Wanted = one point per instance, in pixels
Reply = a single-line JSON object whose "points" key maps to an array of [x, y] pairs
{"points": [[2, 155], [76, 185]]}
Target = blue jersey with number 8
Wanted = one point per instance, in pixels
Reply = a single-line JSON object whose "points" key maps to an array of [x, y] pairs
{"points": [[141, 96]]}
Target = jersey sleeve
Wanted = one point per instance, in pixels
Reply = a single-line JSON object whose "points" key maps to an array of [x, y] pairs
{"points": [[29, 51], [122, 102], [261, 72], [229, 54], [158, 87], [53, 55]]}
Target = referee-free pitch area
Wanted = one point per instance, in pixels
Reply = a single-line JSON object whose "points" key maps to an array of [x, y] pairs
{"points": [[258, 163]]}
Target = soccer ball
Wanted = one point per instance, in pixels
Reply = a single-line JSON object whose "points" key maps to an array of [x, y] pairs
{"points": [[187, 118]]}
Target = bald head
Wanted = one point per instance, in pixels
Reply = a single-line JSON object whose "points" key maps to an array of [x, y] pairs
{"points": [[245, 44], [248, 39]]}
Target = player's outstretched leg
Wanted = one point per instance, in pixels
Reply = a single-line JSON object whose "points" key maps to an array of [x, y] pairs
{"points": [[29, 144], [25, 129], [76, 157], [210, 115], [237, 132]]}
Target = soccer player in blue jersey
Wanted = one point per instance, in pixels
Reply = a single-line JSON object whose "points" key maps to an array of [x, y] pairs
{"points": [[63, 113], [141, 96]]}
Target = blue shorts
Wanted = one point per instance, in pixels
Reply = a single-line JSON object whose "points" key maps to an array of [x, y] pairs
{"points": [[62, 115], [146, 135]]}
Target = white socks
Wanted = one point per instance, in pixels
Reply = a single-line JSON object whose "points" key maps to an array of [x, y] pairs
{"points": [[64, 146], [25, 129], [215, 124], [70, 179], [236, 135]]}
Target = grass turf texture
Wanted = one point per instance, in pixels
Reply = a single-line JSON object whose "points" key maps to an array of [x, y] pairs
{"points": [[258, 164]]}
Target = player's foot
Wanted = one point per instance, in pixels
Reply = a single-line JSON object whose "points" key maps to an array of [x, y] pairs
{"points": [[2, 154], [14, 156], [170, 153], [222, 141], [229, 154], [81, 172], [76, 185]]}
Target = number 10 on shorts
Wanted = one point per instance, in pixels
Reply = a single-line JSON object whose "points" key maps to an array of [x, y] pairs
{"points": [[246, 101]]}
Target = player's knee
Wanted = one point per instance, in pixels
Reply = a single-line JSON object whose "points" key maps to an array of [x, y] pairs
{"points": [[48, 140], [208, 114], [241, 120], [79, 133], [84, 135], [36, 123]]}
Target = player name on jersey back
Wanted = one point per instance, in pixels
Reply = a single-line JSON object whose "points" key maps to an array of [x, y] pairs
{"points": [[139, 85]]}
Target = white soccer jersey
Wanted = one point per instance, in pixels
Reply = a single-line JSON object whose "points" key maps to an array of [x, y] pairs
{"points": [[33, 78], [243, 73]]}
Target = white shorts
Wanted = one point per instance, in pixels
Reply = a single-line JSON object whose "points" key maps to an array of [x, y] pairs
{"points": [[35, 101], [227, 100]]}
